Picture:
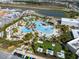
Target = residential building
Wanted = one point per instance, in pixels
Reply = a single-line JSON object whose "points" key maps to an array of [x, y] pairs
{"points": [[77, 52], [70, 22], [74, 45], [75, 33]]}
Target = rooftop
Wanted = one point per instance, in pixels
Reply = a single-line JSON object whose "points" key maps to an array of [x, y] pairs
{"points": [[75, 33], [69, 20], [74, 43]]}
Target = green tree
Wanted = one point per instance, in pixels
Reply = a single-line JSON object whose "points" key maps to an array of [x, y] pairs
{"points": [[27, 37]]}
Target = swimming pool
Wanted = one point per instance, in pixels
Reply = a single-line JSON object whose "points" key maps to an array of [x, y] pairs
{"points": [[47, 29], [40, 26], [25, 29]]}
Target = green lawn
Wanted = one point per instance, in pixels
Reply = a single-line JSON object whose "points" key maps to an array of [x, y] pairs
{"points": [[27, 37], [57, 47], [45, 45], [73, 56], [48, 45]]}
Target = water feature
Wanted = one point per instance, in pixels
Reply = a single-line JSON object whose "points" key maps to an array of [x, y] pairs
{"points": [[47, 29], [40, 27], [25, 29]]}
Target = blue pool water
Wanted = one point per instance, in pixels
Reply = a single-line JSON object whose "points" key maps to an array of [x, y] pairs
{"points": [[25, 29], [42, 28], [39, 26]]}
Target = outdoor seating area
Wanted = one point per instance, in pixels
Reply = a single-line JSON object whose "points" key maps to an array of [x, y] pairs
{"points": [[14, 32]]}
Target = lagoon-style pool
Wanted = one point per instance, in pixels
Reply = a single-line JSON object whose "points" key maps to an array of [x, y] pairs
{"points": [[40, 27], [25, 29], [43, 27]]}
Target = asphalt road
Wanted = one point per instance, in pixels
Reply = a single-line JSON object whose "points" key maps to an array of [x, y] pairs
{"points": [[5, 55]]}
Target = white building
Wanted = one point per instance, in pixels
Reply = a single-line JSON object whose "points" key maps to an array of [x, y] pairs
{"points": [[50, 52], [77, 52], [73, 45], [6, 1], [75, 33], [61, 54], [40, 49], [70, 22]]}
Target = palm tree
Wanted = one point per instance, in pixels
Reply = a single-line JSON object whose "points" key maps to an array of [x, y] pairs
{"points": [[53, 38]]}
